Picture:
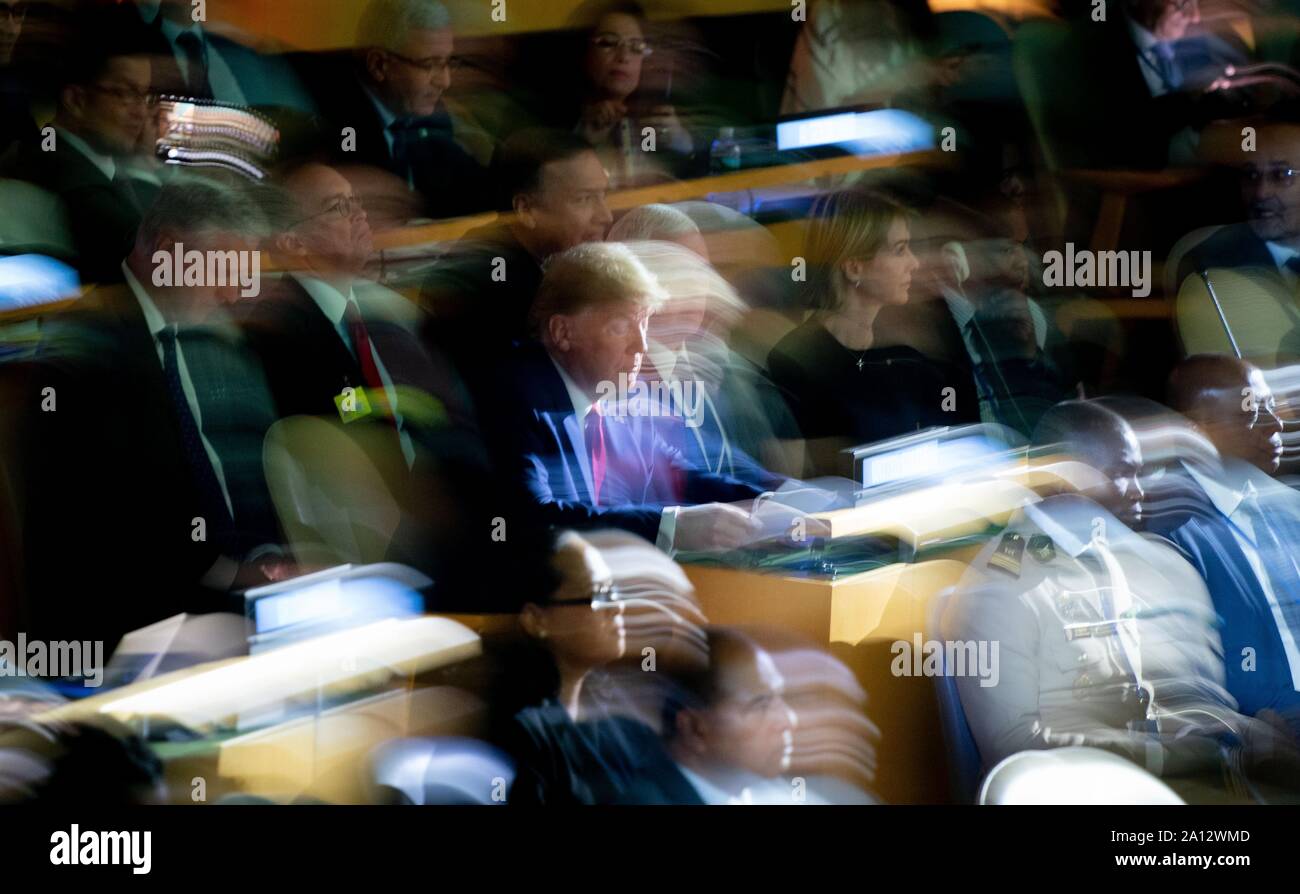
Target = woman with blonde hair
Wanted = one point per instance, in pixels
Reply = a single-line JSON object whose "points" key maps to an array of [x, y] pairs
{"points": [[843, 389]]}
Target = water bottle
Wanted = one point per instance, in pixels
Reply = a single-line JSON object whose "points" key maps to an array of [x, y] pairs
{"points": [[724, 155]]}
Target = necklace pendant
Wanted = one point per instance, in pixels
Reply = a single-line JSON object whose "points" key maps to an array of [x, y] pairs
{"points": [[859, 364]]}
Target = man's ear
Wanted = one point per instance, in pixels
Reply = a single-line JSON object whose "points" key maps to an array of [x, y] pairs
{"points": [[289, 245], [692, 731], [560, 330], [533, 621], [376, 65], [73, 98], [522, 205]]}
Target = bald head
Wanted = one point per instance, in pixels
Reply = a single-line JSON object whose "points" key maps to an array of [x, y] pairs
{"points": [[1231, 402]]}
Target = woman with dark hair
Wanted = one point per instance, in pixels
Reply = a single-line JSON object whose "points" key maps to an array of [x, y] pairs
{"points": [[843, 389], [610, 99]]}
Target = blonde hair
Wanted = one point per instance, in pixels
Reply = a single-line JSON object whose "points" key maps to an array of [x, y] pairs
{"points": [[849, 224], [594, 274]]}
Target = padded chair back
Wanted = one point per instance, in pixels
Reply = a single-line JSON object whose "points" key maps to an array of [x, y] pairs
{"points": [[964, 764], [443, 771], [329, 494], [1073, 775], [1255, 314]]}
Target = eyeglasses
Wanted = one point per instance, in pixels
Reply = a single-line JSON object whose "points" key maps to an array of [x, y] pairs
{"points": [[608, 42], [602, 594], [16, 11], [1276, 175], [345, 207], [430, 64], [1182, 5], [126, 95]]}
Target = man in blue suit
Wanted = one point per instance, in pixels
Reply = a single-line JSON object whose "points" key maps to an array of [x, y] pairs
{"points": [[583, 462], [1239, 528]]}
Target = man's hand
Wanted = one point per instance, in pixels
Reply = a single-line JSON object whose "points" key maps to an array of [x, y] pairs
{"points": [[713, 526]]}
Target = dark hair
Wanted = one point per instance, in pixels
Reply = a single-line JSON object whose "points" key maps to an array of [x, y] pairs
{"points": [[846, 224], [1200, 373], [1075, 422], [517, 164], [700, 687], [94, 37]]}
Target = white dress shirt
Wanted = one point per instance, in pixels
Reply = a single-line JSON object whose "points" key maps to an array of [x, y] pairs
{"points": [[157, 323], [1238, 486], [963, 311], [334, 305], [675, 366], [1148, 58], [582, 404]]}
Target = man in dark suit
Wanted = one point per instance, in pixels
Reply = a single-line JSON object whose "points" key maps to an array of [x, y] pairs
{"points": [[581, 459], [727, 737], [191, 61], [147, 447], [1239, 528], [552, 195], [99, 124], [389, 93]]}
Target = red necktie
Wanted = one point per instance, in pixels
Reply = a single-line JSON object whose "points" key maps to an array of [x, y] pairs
{"points": [[595, 435], [361, 343]]}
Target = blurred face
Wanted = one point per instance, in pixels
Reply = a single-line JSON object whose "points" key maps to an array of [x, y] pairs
{"points": [[1173, 18], [599, 343], [412, 78], [569, 207], [1118, 457], [887, 277], [333, 234], [11, 25], [111, 112], [614, 56], [581, 625], [1268, 185], [750, 726], [1243, 423]]}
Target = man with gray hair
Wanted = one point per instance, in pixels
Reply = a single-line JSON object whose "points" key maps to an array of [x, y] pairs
{"points": [[155, 445], [391, 98], [577, 457]]}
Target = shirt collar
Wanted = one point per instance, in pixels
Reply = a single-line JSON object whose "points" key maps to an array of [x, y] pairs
{"points": [[582, 404], [1227, 490], [386, 117], [1144, 39], [171, 31], [153, 317], [105, 163], [1281, 253], [961, 308], [332, 303], [708, 792]]}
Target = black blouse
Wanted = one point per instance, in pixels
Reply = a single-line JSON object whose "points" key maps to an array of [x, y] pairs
{"points": [[863, 396]]}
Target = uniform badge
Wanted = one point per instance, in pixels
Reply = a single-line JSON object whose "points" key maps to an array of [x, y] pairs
{"points": [[1008, 554], [1042, 548]]}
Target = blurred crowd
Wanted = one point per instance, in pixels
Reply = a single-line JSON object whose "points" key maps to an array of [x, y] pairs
{"points": [[564, 323]]}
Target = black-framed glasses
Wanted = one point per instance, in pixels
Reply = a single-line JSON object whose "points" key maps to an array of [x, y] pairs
{"points": [[430, 64], [601, 594], [609, 42], [1277, 176], [1182, 5], [15, 11], [345, 207], [124, 94]]}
